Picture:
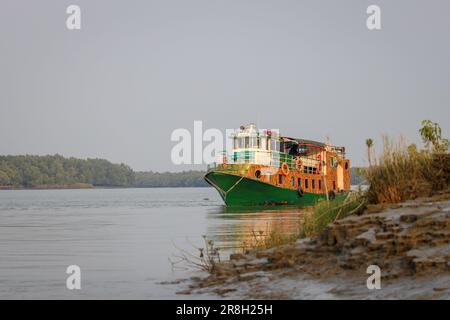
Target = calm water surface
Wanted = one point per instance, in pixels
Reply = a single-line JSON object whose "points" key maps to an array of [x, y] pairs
{"points": [[122, 239]]}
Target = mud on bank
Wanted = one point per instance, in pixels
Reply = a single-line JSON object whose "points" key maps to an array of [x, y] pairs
{"points": [[410, 242]]}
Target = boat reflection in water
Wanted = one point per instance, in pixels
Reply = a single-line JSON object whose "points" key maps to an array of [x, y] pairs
{"points": [[234, 229]]}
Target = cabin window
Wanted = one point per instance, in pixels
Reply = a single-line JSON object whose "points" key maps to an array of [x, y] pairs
{"points": [[293, 181], [263, 143], [320, 184], [313, 183], [299, 182], [257, 174], [274, 145], [314, 170], [241, 143], [235, 143], [280, 179], [306, 183], [247, 142], [254, 143]]}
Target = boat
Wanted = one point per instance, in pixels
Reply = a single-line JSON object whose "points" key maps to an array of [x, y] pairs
{"points": [[265, 168]]}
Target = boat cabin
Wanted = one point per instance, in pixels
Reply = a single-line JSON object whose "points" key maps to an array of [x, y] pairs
{"points": [[287, 162]]}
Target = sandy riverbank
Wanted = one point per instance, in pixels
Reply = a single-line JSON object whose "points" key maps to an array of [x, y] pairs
{"points": [[410, 242]]}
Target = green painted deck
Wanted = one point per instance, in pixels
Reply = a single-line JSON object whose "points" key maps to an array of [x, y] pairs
{"points": [[236, 190]]}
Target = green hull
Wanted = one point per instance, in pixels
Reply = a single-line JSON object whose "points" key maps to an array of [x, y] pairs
{"points": [[241, 191]]}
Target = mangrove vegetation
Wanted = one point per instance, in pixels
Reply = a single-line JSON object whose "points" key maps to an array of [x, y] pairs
{"points": [[56, 171]]}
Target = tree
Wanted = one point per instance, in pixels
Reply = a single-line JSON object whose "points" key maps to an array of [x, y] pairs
{"points": [[431, 134], [369, 144], [4, 178]]}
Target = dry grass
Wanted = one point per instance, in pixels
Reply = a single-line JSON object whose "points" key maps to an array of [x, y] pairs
{"points": [[404, 173], [326, 212], [206, 260], [269, 238]]}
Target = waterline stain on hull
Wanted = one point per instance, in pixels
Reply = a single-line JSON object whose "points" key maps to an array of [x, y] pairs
{"points": [[237, 190]]}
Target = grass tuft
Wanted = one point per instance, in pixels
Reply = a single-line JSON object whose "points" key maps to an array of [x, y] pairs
{"points": [[269, 238], [404, 173], [326, 212]]}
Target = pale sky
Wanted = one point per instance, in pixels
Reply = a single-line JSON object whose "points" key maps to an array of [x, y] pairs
{"points": [[137, 70]]}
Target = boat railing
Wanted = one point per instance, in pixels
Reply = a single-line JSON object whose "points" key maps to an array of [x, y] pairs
{"points": [[261, 157]]}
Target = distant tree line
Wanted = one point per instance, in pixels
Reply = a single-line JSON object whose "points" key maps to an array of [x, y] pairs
{"points": [[31, 171], [170, 179]]}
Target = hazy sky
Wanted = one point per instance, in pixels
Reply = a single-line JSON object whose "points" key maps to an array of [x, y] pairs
{"points": [[137, 70]]}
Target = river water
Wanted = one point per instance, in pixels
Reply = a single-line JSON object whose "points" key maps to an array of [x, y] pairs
{"points": [[125, 241]]}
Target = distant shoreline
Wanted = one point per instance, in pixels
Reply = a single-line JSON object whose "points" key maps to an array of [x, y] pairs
{"points": [[50, 187], [58, 172], [75, 187]]}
